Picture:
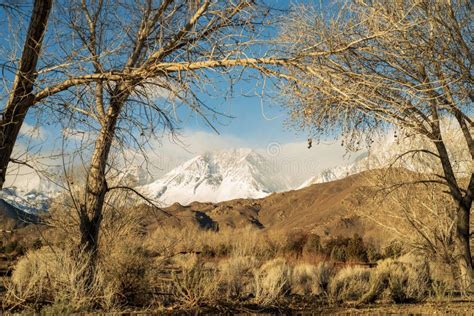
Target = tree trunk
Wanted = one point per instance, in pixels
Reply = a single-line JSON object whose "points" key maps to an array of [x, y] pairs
{"points": [[462, 243], [96, 186], [463, 248], [21, 97]]}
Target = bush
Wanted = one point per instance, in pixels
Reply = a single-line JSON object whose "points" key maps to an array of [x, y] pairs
{"points": [[126, 269], [393, 250], [11, 247], [356, 248], [295, 242], [313, 244], [339, 254], [54, 275], [208, 251], [58, 275], [373, 254], [343, 249], [310, 279], [325, 272], [234, 276], [194, 284], [402, 282], [411, 282], [304, 279], [37, 243], [219, 250], [335, 242], [349, 284], [14, 248], [271, 282]]}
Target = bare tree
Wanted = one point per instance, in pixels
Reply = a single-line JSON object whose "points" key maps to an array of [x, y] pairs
{"points": [[413, 70], [422, 222], [37, 77], [21, 96], [170, 53]]}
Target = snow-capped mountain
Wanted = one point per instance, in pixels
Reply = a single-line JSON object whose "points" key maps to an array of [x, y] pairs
{"points": [[134, 176], [401, 151], [30, 200], [30, 191], [217, 176]]}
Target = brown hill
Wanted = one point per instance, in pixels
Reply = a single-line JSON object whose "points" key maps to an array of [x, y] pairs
{"points": [[327, 209], [330, 209]]}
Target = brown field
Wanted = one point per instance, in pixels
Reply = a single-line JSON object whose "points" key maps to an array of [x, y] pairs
{"points": [[305, 252]]}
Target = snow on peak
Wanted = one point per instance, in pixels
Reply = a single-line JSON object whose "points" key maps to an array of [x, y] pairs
{"points": [[29, 198], [392, 150], [217, 176]]}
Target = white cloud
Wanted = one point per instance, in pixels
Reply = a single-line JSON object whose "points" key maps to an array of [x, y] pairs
{"points": [[298, 163], [31, 169], [293, 160]]}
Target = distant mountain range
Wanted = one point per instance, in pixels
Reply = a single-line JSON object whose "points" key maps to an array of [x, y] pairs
{"points": [[241, 173], [217, 176]]}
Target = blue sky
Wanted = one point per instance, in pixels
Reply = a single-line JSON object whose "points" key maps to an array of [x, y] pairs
{"points": [[256, 120], [257, 123]]}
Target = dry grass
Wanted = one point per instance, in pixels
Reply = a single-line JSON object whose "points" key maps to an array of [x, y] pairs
{"points": [[169, 241], [405, 280], [194, 284], [235, 276], [349, 284], [53, 276], [272, 282], [310, 279], [192, 268]]}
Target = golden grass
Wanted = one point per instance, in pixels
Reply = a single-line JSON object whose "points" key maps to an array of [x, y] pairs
{"points": [[187, 268]]}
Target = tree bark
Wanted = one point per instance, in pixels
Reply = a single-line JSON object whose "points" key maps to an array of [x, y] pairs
{"points": [[463, 248], [21, 97], [463, 239], [96, 185], [462, 242]]}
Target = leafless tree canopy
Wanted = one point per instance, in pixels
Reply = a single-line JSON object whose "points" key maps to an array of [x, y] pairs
{"points": [[412, 69], [146, 59]]}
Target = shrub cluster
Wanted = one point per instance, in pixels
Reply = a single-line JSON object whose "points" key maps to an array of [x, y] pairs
{"points": [[338, 248], [133, 270]]}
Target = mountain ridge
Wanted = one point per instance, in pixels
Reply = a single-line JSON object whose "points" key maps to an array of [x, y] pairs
{"points": [[215, 177]]}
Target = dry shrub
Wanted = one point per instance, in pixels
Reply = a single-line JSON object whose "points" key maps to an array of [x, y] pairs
{"points": [[194, 283], [443, 282], [272, 281], [411, 282], [349, 284], [54, 276], [295, 242], [304, 279], [325, 272], [169, 241], [251, 242], [313, 244], [234, 275], [311, 279], [402, 281], [126, 268]]}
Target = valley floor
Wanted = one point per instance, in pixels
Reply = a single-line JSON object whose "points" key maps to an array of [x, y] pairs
{"points": [[440, 307], [453, 307]]}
